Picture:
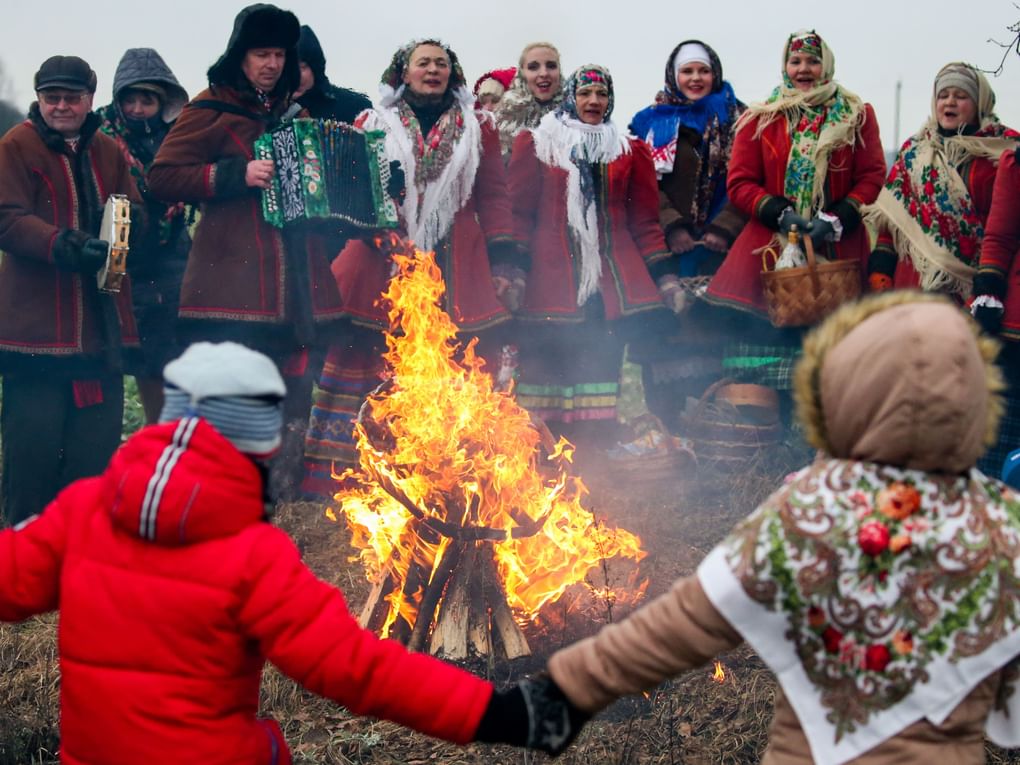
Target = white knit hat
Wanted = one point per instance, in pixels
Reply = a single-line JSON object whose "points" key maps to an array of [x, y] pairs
{"points": [[237, 390]]}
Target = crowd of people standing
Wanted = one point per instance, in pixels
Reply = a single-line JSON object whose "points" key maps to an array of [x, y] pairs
{"points": [[564, 233], [564, 237]]}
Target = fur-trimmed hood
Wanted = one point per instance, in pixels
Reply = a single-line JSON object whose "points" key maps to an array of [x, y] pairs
{"points": [[901, 379]]}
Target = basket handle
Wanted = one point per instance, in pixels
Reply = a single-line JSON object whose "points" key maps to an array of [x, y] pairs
{"points": [[769, 249], [812, 262], [709, 392]]}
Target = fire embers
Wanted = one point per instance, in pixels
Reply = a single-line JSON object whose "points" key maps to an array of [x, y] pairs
{"points": [[465, 524]]}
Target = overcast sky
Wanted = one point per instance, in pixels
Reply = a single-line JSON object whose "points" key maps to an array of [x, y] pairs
{"points": [[876, 42]]}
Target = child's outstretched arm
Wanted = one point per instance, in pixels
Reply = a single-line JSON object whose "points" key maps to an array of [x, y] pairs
{"points": [[303, 626], [31, 557]]}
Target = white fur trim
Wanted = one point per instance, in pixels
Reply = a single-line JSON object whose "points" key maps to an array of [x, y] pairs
{"points": [[428, 217], [555, 140]]}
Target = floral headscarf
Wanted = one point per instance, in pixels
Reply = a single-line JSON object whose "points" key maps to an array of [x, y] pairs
{"points": [[821, 120], [440, 167], [926, 205], [519, 109], [564, 141], [712, 117]]}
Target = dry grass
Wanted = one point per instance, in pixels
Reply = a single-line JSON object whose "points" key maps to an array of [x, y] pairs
{"points": [[690, 720]]}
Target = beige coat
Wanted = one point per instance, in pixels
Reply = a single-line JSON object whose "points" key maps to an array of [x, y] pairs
{"points": [[929, 410]]}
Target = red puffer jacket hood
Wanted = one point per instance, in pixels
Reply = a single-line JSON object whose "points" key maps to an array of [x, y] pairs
{"points": [[158, 486]]}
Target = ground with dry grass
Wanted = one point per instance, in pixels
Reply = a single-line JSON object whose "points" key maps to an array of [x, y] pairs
{"points": [[690, 719]]}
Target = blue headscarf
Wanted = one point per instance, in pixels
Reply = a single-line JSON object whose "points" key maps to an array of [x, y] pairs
{"points": [[711, 117]]}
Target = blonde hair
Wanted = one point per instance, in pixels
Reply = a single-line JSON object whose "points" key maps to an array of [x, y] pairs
{"points": [[532, 46]]}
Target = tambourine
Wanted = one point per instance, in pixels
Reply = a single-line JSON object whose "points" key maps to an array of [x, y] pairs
{"points": [[115, 230]]}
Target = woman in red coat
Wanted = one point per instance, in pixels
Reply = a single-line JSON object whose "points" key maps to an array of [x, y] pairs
{"points": [[931, 213], [585, 204], [996, 304], [809, 156], [455, 204]]}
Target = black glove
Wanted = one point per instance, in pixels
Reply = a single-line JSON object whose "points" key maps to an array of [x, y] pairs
{"points": [[534, 714], [989, 285], [396, 187], [76, 251], [788, 219], [820, 231]]}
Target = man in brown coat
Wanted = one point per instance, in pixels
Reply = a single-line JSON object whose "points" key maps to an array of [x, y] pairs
{"points": [[247, 281], [60, 338]]}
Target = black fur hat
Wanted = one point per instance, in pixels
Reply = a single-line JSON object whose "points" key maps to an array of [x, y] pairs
{"points": [[260, 26]]}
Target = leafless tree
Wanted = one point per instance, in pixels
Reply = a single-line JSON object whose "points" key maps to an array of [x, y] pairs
{"points": [[1012, 45]]}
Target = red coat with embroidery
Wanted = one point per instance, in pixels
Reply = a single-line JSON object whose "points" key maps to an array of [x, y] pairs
{"points": [[757, 172], [49, 316], [173, 593], [362, 272], [1002, 240], [629, 233], [238, 272]]}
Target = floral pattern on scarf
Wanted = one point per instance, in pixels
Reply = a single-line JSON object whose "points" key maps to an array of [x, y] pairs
{"points": [[432, 152], [799, 186], [882, 573]]}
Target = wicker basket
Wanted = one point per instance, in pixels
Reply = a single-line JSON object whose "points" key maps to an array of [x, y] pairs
{"points": [[799, 297], [721, 435]]}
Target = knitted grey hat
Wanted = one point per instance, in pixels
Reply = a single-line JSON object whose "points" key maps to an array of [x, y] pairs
{"points": [[237, 390], [144, 65]]}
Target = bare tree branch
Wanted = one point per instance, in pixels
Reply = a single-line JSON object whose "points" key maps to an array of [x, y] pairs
{"points": [[1012, 45]]}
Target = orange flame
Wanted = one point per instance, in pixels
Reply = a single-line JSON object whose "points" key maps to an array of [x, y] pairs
{"points": [[461, 453], [719, 675]]}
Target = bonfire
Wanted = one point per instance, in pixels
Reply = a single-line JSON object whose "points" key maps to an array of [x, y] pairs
{"points": [[468, 523]]}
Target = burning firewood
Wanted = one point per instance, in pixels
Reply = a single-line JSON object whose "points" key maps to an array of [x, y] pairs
{"points": [[464, 525]]}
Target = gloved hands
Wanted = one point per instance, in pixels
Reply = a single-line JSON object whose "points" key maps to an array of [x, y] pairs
{"points": [[79, 253], [673, 294], [397, 185], [987, 306], [881, 270], [821, 231], [510, 282], [534, 714], [789, 218]]}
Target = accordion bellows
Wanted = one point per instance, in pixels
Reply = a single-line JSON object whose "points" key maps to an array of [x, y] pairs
{"points": [[327, 170]]}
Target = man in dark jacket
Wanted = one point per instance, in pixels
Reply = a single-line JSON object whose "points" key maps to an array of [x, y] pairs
{"points": [[247, 281], [316, 93], [60, 337]]}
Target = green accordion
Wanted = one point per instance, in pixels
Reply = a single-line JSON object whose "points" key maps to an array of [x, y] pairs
{"points": [[327, 170]]}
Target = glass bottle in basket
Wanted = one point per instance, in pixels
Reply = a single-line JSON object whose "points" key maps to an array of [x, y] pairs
{"points": [[793, 254]]}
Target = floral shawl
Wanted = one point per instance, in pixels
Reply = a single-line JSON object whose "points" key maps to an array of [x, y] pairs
{"points": [[821, 120], [712, 117], [440, 167], [582, 150], [925, 204], [878, 595]]}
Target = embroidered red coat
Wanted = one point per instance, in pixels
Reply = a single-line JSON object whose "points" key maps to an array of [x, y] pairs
{"points": [[362, 272], [757, 172], [1002, 240], [174, 591], [629, 234], [979, 176], [50, 318], [239, 272]]}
